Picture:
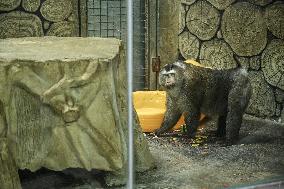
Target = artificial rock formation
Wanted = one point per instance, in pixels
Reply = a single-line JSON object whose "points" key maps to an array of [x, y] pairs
{"points": [[20, 24], [274, 16], [31, 5], [221, 4], [56, 10], [273, 63], [262, 102], [9, 178], [243, 28], [7, 5], [65, 105], [260, 2], [217, 54], [62, 29], [203, 19], [189, 45]]}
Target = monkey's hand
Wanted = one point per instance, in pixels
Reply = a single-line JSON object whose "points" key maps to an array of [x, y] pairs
{"points": [[164, 128], [158, 132], [191, 122], [190, 133]]}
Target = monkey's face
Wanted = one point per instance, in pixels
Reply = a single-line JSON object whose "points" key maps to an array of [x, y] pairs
{"points": [[170, 75], [167, 79]]}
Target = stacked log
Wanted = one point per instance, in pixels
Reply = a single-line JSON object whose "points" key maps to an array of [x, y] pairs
{"points": [[273, 63], [217, 54], [220, 4], [244, 29], [189, 45], [31, 5], [275, 19], [239, 33], [203, 19], [20, 24], [35, 18]]}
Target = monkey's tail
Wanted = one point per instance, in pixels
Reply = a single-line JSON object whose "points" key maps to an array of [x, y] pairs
{"points": [[239, 64]]}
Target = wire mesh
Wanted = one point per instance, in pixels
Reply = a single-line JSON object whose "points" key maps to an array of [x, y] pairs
{"points": [[107, 18]]}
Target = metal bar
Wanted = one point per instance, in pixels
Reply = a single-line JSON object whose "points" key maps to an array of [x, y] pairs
{"points": [[107, 17], [120, 17], [130, 182], [100, 18]]}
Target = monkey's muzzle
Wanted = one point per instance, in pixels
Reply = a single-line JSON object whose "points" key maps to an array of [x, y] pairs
{"points": [[169, 85]]}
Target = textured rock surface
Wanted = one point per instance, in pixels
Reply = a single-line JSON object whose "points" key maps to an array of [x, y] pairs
{"points": [[217, 54], [189, 45], [262, 102], [244, 29], [255, 62], [7, 5], [221, 4], [56, 10], [65, 103], [203, 20], [274, 15], [272, 63], [31, 5], [182, 17], [62, 29], [20, 24], [187, 2], [260, 2], [279, 95], [9, 178]]}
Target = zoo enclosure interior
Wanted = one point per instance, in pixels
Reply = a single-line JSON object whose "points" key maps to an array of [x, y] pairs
{"points": [[215, 33]]}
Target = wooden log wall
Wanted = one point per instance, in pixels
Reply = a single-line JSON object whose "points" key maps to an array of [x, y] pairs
{"points": [[250, 33], [36, 18]]}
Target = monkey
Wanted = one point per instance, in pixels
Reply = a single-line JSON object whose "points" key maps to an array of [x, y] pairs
{"points": [[192, 90]]}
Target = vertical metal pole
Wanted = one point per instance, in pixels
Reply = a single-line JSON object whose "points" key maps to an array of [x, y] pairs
{"points": [[130, 182]]}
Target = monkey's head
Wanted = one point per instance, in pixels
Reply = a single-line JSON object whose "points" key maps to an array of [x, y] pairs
{"points": [[171, 75]]}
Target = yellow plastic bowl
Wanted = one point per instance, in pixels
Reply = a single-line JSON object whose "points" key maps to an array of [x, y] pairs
{"points": [[151, 107]]}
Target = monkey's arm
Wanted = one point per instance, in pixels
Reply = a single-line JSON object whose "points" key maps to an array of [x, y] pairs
{"points": [[171, 117], [191, 122]]}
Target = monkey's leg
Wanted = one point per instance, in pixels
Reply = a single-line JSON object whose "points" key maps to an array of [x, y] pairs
{"points": [[192, 123], [238, 100], [221, 130], [234, 122], [170, 119]]}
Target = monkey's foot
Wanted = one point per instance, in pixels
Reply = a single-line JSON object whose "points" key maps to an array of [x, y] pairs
{"points": [[191, 134]]}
